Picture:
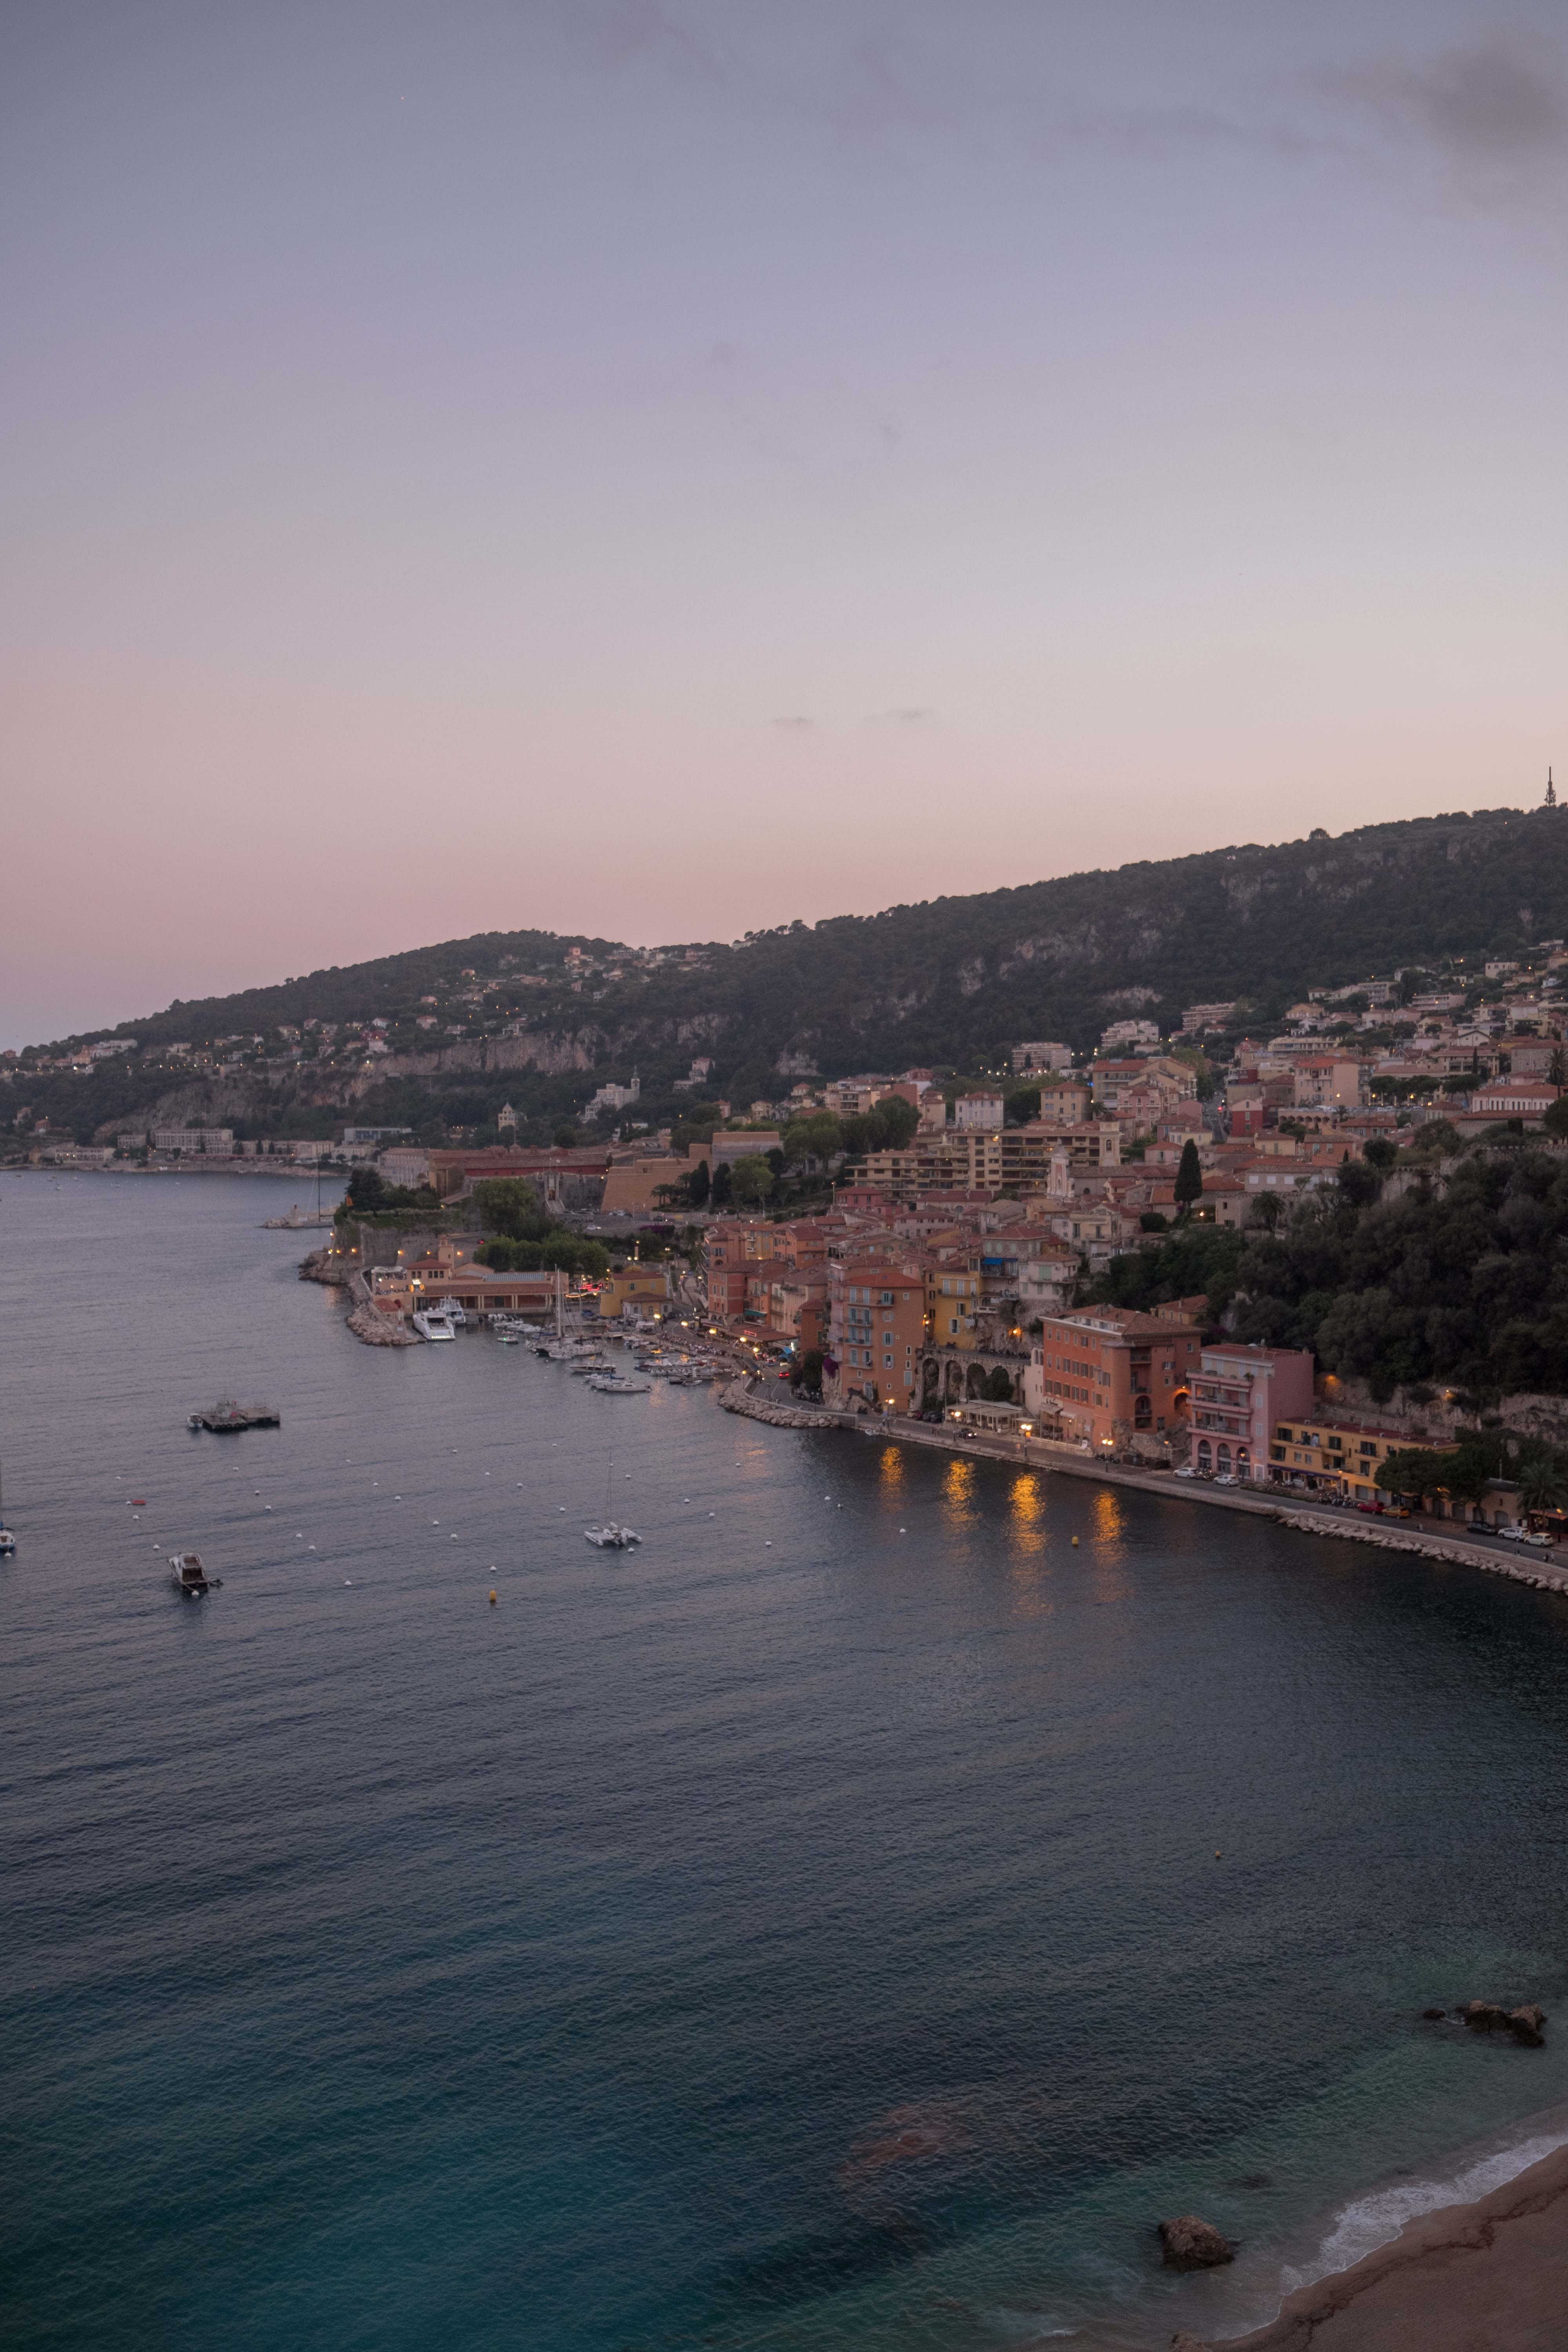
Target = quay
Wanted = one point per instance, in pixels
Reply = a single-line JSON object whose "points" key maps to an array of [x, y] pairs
{"points": [[1493, 1555]]}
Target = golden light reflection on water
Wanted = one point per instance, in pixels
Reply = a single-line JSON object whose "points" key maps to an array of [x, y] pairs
{"points": [[1108, 1546], [892, 1468], [958, 1494]]}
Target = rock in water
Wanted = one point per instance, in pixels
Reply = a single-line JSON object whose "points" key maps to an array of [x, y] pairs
{"points": [[1434, 2012], [1184, 2341], [1486, 2017], [1193, 2245]]}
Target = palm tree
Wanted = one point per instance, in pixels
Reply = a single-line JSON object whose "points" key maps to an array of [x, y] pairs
{"points": [[1543, 1486], [1557, 1068]]}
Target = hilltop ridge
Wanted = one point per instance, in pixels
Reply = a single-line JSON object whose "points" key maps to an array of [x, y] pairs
{"points": [[543, 1018]]}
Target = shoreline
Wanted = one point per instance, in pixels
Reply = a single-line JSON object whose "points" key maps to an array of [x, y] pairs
{"points": [[1540, 1570], [1492, 2270]]}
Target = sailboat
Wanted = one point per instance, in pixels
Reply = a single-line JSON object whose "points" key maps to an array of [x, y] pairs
{"points": [[612, 1536], [7, 1540]]}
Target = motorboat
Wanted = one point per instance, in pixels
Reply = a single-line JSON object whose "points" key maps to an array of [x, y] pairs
{"points": [[619, 1384], [189, 1577], [509, 1339], [432, 1323], [612, 1538], [455, 1314]]}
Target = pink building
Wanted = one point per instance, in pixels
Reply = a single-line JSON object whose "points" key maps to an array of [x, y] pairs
{"points": [[1237, 1395]]}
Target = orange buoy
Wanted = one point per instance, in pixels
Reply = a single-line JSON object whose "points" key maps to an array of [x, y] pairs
{"points": [[493, 1596]]}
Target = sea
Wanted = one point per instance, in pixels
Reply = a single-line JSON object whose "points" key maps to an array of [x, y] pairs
{"points": [[849, 1922]]}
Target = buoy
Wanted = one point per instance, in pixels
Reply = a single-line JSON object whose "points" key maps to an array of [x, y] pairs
{"points": [[1216, 1854], [1075, 1543], [492, 1597]]}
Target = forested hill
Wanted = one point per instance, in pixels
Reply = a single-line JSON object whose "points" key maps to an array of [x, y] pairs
{"points": [[951, 980]]}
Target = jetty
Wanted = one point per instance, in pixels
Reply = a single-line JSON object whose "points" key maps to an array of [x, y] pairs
{"points": [[227, 1417]]}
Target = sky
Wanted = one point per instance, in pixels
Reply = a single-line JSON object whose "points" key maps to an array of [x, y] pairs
{"points": [[665, 468]]}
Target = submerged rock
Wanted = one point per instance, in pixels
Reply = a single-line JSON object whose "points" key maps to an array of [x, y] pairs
{"points": [[1525, 2025], [1193, 2245], [1434, 2012], [1183, 2340]]}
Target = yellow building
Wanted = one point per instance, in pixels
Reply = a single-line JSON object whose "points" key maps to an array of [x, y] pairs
{"points": [[643, 1288], [1342, 1456], [952, 1305]]}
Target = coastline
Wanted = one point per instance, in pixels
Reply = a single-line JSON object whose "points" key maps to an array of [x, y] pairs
{"points": [[1459, 1548], [1492, 2272]]}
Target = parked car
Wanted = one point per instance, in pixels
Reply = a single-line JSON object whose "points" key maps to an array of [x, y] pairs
{"points": [[1187, 1473], [1226, 1478], [1373, 1510]]}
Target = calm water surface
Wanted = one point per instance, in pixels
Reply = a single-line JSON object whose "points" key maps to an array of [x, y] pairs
{"points": [[807, 1931]]}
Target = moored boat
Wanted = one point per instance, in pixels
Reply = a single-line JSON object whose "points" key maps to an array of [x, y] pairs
{"points": [[612, 1536], [431, 1324], [190, 1577]]}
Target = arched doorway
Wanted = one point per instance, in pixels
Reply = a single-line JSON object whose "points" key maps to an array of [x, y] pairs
{"points": [[1143, 1414], [975, 1385], [1222, 1458], [1205, 1459]]}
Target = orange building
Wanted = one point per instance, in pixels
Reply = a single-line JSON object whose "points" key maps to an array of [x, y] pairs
{"points": [[1109, 1375], [875, 1331]]}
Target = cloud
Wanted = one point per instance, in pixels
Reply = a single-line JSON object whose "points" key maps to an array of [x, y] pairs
{"points": [[796, 725], [1499, 101]]}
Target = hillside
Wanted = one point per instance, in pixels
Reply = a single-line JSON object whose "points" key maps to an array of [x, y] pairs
{"points": [[949, 982]]}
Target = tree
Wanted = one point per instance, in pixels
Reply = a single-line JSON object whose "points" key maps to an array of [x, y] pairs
{"points": [[723, 1186], [1556, 1119], [1541, 1485], [698, 1184], [1023, 1105], [900, 1120], [752, 1177], [806, 1372], [1189, 1176], [998, 1386], [506, 1205], [565, 1137]]}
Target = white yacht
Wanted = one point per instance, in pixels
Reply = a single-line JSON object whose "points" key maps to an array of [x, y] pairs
{"points": [[619, 1384], [190, 1577], [611, 1537], [432, 1323]]}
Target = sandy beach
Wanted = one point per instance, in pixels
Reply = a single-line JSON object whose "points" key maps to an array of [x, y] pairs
{"points": [[1491, 2276]]}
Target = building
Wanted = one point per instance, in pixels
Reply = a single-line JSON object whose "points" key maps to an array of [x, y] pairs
{"points": [[1046, 1053], [373, 1134], [987, 1111], [404, 1165], [614, 1097], [876, 1331], [1206, 1016], [634, 1292], [194, 1138], [1336, 1078], [1238, 1394], [1341, 1457], [1529, 1099], [1104, 1377]]}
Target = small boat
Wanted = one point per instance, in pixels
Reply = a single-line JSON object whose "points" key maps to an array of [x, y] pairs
{"points": [[431, 1324], [7, 1540], [612, 1538], [618, 1384], [190, 1577], [509, 1339], [227, 1417]]}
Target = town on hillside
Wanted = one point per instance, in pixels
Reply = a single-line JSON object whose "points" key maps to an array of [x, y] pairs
{"points": [[1055, 1252]]}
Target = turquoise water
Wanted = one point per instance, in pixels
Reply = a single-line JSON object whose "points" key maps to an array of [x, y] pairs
{"points": [[806, 1931]]}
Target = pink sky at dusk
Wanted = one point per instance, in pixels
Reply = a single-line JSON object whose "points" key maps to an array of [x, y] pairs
{"points": [[665, 469]]}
